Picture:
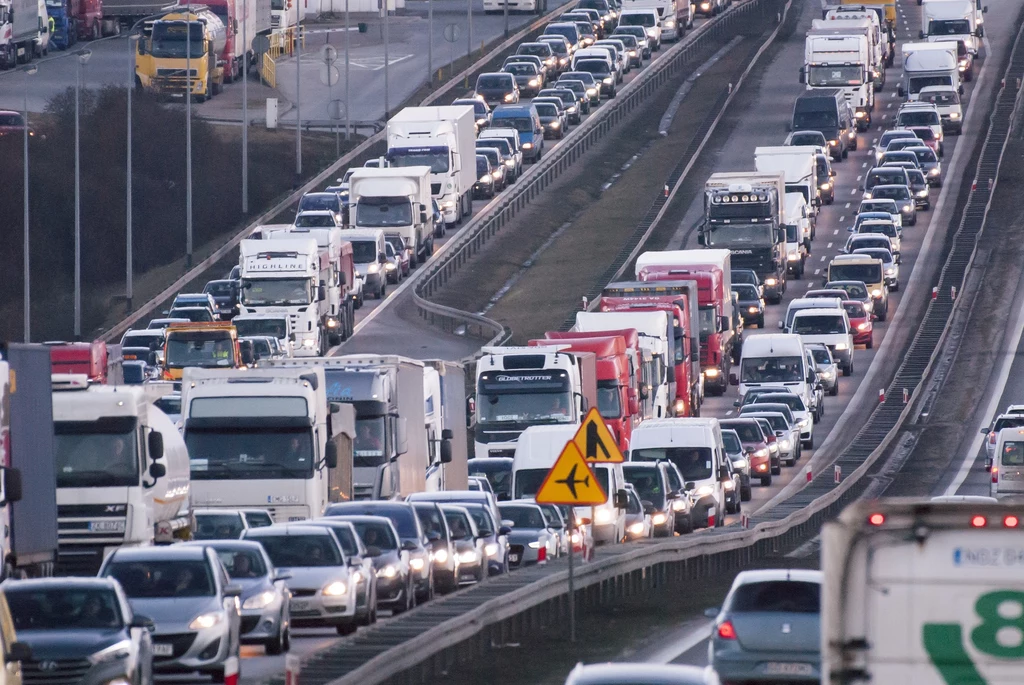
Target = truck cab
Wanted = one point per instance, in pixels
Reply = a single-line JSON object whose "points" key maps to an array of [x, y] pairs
{"points": [[91, 359], [160, 57], [395, 199], [202, 345]]}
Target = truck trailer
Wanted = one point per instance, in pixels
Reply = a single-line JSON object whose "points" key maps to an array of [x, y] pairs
{"points": [[395, 200]]}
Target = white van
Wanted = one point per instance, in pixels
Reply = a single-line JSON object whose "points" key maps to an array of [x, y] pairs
{"points": [[537, 450], [648, 18], [829, 326], [802, 303], [1008, 463], [369, 254], [776, 360], [695, 446]]}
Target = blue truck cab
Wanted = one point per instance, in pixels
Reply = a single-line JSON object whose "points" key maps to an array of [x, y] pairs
{"points": [[525, 119]]}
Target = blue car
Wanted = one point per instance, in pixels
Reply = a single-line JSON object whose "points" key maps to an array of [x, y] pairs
{"points": [[526, 120]]}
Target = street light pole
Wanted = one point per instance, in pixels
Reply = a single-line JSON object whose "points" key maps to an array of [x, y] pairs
{"points": [[188, 136], [387, 40], [298, 100], [430, 42], [132, 40], [245, 112], [25, 258], [348, 109], [83, 59], [469, 33], [506, 18]]}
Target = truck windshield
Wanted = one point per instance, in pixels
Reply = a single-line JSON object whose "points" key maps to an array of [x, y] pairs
{"points": [[277, 5], [207, 349], [814, 120], [370, 442], [608, 399], [92, 454], [249, 453], [693, 462], [771, 370], [524, 407], [169, 40], [949, 27], [383, 211], [276, 328], [868, 273], [264, 291], [708, 322], [434, 157], [824, 76], [364, 251], [916, 83], [745, 235], [819, 325], [528, 482]]}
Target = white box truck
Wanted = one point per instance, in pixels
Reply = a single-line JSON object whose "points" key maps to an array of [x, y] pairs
{"points": [[395, 200], [444, 139], [929, 64], [943, 20], [923, 592], [837, 54]]}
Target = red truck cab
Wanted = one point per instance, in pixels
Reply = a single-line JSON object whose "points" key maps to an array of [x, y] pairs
{"points": [[80, 358], [616, 398], [673, 297]]}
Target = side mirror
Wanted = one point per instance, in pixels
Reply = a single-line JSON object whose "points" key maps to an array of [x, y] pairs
{"points": [[433, 536], [631, 400], [900, 90], [409, 546], [688, 486], [373, 552], [724, 323], [331, 455], [382, 258], [648, 507], [11, 485], [504, 530], [291, 337], [19, 651], [447, 434], [156, 445], [282, 576], [446, 452], [138, 622], [233, 590], [423, 217], [984, 431], [621, 500], [734, 379], [922, 35], [504, 497], [157, 470], [711, 612], [803, 75], [724, 476], [832, 173]]}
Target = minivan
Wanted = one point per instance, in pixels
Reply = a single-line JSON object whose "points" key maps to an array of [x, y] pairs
{"points": [[369, 256], [1008, 463], [826, 110], [775, 360], [526, 120]]}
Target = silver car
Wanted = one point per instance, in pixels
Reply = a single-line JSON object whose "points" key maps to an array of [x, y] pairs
{"points": [[531, 540], [364, 575], [787, 435], [468, 542], [187, 593], [323, 590], [265, 597], [828, 370]]}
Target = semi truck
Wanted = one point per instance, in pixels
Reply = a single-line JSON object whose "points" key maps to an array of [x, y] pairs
{"points": [[179, 41], [122, 472], [444, 397], [680, 299], [885, 9], [100, 362], [860, 19], [923, 592], [395, 199], [265, 438], [945, 20], [838, 55], [287, 276], [74, 20], [743, 214], [20, 26], [201, 344], [519, 387], [243, 21], [929, 64], [28, 470], [719, 336], [444, 139]]}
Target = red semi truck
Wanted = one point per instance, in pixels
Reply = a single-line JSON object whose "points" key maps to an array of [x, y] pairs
{"points": [[713, 273], [243, 20], [95, 360], [616, 398], [680, 299]]}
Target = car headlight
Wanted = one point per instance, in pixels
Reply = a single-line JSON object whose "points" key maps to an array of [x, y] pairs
{"points": [[670, 24], [591, 92], [711, 372], [260, 601], [607, 80], [571, 109], [828, 373], [729, 485], [659, 519], [308, 342], [497, 174], [954, 115], [533, 83], [705, 6], [469, 557], [921, 193], [793, 256], [555, 124], [207, 620], [841, 346], [740, 463], [863, 326], [770, 281], [876, 293], [389, 571], [890, 271], [678, 505], [603, 516], [906, 209], [704, 491], [563, 61], [416, 564], [785, 444], [390, 266], [491, 549], [335, 589], [373, 268], [441, 556], [632, 53], [752, 310], [826, 185], [638, 527], [833, 143], [485, 179], [447, 204], [934, 171], [115, 652], [761, 453], [803, 423], [509, 97]]}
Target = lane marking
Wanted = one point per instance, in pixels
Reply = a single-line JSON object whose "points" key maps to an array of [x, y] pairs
{"points": [[843, 216], [847, 205], [835, 232], [859, 178], [829, 246], [684, 645], [864, 165], [816, 272], [822, 257], [853, 191]]}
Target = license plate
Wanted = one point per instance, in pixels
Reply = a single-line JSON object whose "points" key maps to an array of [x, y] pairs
{"points": [[107, 526], [300, 606], [513, 558], [160, 649], [786, 668]]}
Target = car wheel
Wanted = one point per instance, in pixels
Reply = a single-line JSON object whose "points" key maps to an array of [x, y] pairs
{"points": [[760, 321], [346, 628], [766, 480], [834, 390], [275, 646], [870, 344], [848, 369], [746, 494], [776, 470], [809, 443], [884, 315]]}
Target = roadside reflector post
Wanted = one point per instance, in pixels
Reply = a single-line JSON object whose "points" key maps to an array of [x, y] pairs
{"points": [[586, 302], [666, 190], [974, 185], [837, 473], [881, 395], [292, 666], [810, 476], [231, 670], [572, 583], [935, 293], [744, 521], [952, 292], [711, 517], [906, 395]]}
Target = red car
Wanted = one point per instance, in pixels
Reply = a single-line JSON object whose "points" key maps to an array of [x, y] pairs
{"points": [[926, 134], [12, 122], [860, 323], [755, 446]]}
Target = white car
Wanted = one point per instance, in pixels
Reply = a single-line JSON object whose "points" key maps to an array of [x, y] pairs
{"points": [[1006, 420], [947, 101], [828, 326]]}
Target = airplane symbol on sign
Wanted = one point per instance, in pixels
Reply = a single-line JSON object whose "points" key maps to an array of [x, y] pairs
{"points": [[570, 480]]}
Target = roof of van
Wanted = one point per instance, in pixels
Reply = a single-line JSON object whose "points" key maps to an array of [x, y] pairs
{"points": [[818, 311], [860, 258], [363, 234], [811, 302], [542, 444], [654, 431], [772, 343]]}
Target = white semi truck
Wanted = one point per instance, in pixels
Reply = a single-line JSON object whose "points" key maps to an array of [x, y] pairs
{"points": [[837, 54], [923, 592], [444, 397], [267, 438], [395, 200], [283, 276], [943, 20], [122, 472], [444, 139]]}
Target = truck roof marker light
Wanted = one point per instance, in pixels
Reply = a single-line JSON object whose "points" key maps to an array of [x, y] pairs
{"points": [[1011, 521], [876, 519], [978, 521]]}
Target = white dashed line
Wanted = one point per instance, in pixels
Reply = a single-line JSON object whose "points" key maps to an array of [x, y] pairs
{"points": [[835, 232], [847, 205], [859, 177], [842, 216], [853, 191], [874, 141], [816, 272], [888, 105], [729, 413], [829, 246], [864, 165], [822, 257]]}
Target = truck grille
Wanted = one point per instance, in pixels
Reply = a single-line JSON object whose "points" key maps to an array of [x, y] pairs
{"points": [[64, 672], [435, 188], [175, 73], [275, 21], [79, 560]]}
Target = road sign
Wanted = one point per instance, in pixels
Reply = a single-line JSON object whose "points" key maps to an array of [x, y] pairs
{"points": [[260, 44], [336, 109], [451, 32], [595, 442], [570, 481], [329, 74], [328, 54]]}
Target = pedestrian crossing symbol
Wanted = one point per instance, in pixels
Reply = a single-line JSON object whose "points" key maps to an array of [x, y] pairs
{"points": [[570, 481]]}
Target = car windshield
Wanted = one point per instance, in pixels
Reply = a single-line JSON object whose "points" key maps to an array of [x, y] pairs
{"points": [[220, 288], [807, 139], [494, 81], [919, 118], [866, 273], [275, 291], [522, 516], [247, 452], [888, 207], [218, 527], [277, 328], [430, 519], [315, 221], [546, 110], [523, 124], [892, 193], [855, 310], [731, 442], [647, 481], [940, 98], [63, 608], [1008, 422], [887, 229], [168, 578], [146, 338], [458, 524], [258, 519], [497, 143], [916, 177], [787, 398], [521, 69], [771, 370], [778, 422], [777, 596], [242, 563], [300, 550], [481, 517], [376, 534], [747, 430], [821, 356], [746, 291], [693, 462], [637, 20], [877, 253], [319, 201], [818, 325]]}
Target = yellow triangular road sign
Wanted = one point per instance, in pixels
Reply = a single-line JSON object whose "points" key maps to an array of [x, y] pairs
{"points": [[595, 442], [570, 481]]}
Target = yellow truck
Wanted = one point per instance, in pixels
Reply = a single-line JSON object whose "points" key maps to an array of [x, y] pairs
{"points": [[208, 345], [888, 5], [185, 38]]}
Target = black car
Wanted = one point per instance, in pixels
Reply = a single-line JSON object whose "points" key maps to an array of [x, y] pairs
{"points": [[225, 294], [748, 276], [442, 547], [550, 119], [497, 162], [527, 76], [650, 479], [570, 103], [83, 626], [485, 185], [497, 88], [414, 540], [579, 89], [602, 73], [751, 304]]}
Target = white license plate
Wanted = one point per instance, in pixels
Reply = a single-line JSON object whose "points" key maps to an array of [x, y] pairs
{"points": [[160, 649], [107, 526], [513, 558], [300, 606], [786, 668]]}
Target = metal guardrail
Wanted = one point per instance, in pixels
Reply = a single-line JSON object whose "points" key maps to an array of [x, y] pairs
{"points": [[116, 331], [471, 240]]}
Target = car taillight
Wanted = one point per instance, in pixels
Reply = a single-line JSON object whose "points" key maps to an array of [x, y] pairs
{"points": [[992, 438], [995, 473], [726, 631], [542, 554], [876, 519], [1011, 521]]}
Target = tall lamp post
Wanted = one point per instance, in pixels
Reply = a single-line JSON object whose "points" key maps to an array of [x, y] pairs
{"points": [[25, 259], [132, 42], [83, 59], [188, 134]]}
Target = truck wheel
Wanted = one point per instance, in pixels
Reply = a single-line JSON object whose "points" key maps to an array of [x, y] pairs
{"points": [[96, 32]]}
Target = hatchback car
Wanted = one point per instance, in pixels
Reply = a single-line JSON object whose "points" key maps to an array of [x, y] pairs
{"points": [[531, 541], [643, 41], [528, 78], [638, 516], [497, 88], [801, 138], [769, 628], [225, 295], [889, 136], [929, 164], [361, 561], [755, 446], [192, 314], [651, 481], [402, 252], [579, 90], [187, 593], [481, 110], [395, 585], [919, 186], [803, 417], [827, 369], [593, 86], [442, 547], [902, 195], [786, 433], [740, 464], [467, 543], [751, 304], [551, 118], [485, 186], [570, 103], [860, 322]]}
